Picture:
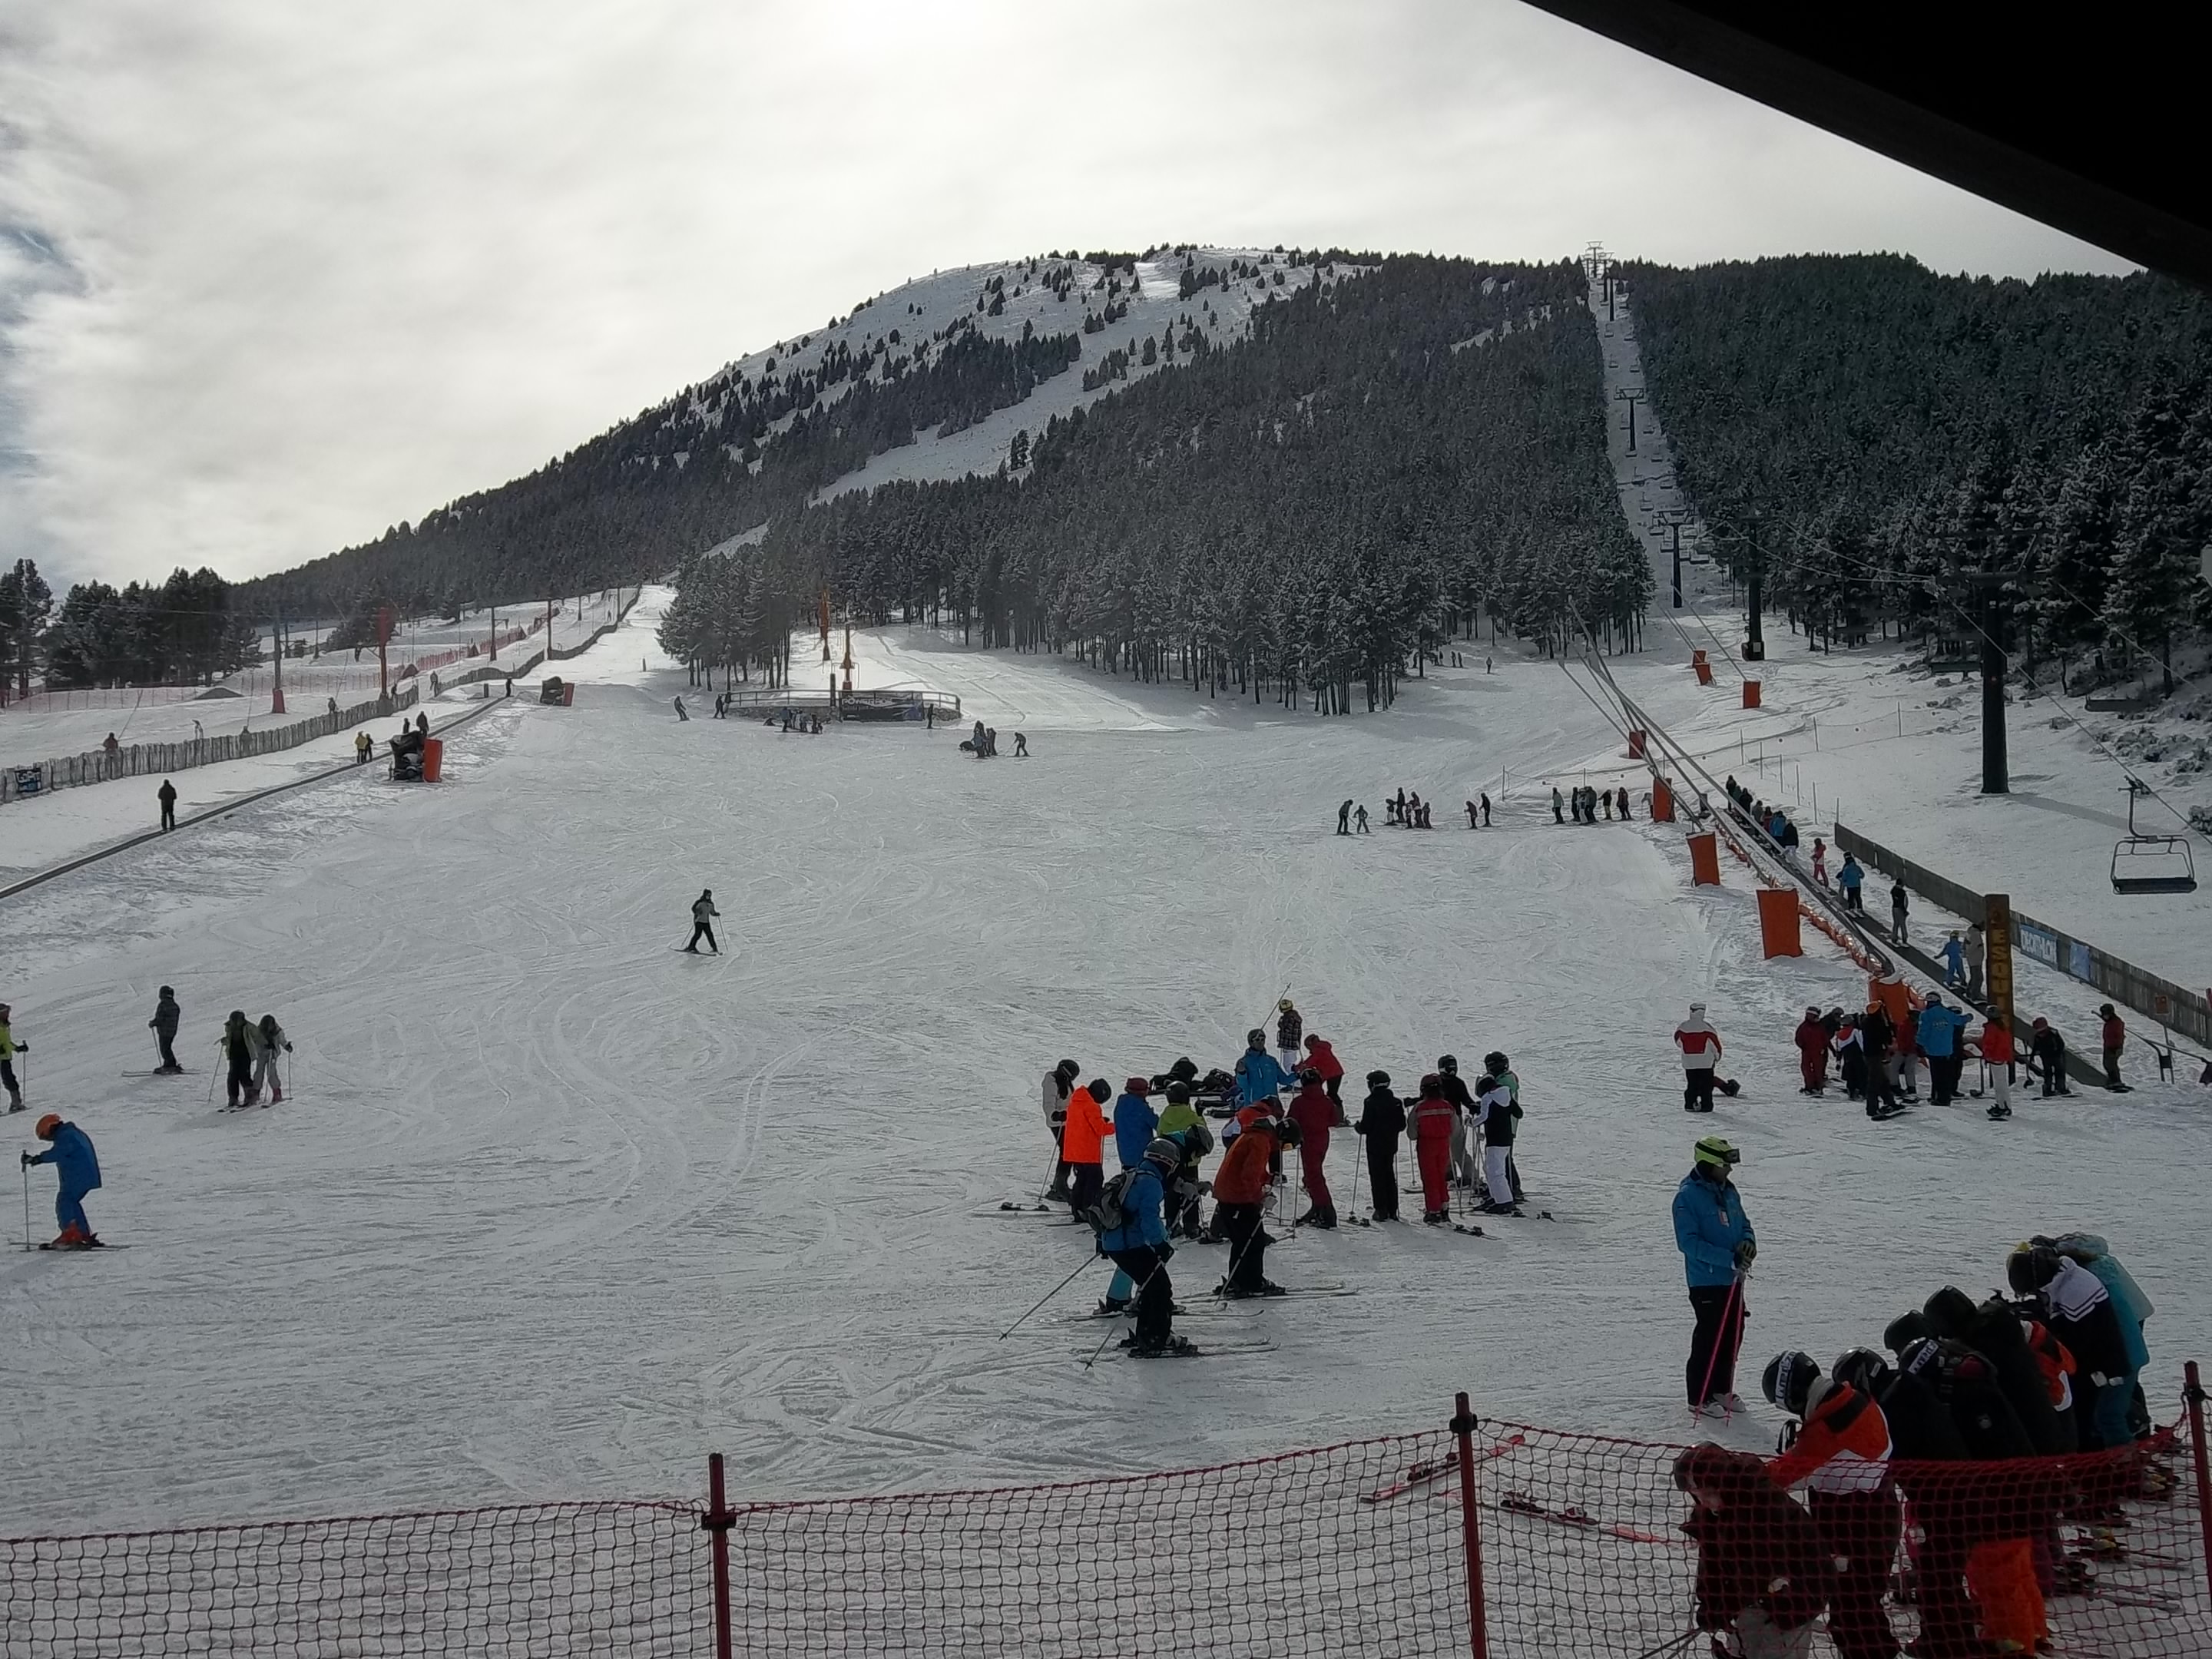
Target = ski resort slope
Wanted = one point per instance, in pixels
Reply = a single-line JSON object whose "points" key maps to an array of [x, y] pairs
{"points": [[552, 1209]]}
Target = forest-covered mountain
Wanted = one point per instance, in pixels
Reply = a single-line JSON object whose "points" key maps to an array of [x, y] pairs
{"points": [[1302, 511], [1864, 432]]}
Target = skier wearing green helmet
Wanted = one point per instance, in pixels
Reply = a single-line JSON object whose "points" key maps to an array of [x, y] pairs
{"points": [[1717, 1245]]}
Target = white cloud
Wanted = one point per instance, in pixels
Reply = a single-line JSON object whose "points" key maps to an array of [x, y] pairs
{"points": [[320, 268]]}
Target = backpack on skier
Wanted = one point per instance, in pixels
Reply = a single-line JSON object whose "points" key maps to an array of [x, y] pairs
{"points": [[1107, 1213]]}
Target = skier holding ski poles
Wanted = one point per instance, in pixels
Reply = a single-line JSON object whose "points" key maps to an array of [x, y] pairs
{"points": [[1718, 1246]]}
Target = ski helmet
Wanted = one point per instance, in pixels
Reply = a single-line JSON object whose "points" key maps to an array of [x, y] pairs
{"points": [[1099, 1089], [1902, 1332], [2030, 1268], [1716, 1152], [1378, 1079], [1165, 1154], [46, 1126], [1286, 1130], [1255, 1038], [1861, 1369], [1448, 1063], [1789, 1380], [168, 991], [1066, 1068], [1178, 1092], [1284, 1007], [1949, 1312]]}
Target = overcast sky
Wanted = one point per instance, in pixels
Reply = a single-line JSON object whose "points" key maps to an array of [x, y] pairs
{"points": [[275, 274]]}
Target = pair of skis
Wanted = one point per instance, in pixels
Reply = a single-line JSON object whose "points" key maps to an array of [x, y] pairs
{"points": [[1520, 1502]]}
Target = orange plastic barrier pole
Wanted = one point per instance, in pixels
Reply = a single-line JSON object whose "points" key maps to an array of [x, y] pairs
{"points": [[433, 758], [1777, 922], [1705, 859]]}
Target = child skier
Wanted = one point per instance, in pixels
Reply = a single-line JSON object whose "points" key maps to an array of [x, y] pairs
{"points": [[1140, 1249], [1183, 1123], [1812, 1039], [1082, 1143], [1760, 1568], [74, 1162], [703, 914], [1239, 1184], [1701, 1051], [1315, 1114], [1500, 1068], [1431, 1123], [167, 1015], [1059, 1083], [240, 1047], [1382, 1120], [1495, 1113], [9, 1047]]}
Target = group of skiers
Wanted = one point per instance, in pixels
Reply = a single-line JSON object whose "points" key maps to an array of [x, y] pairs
{"points": [[983, 743], [1585, 801], [1159, 1130], [1887, 1446], [250, 1050]]}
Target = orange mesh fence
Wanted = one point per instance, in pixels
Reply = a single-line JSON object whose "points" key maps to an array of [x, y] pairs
{"points": [[1588, 1545]]}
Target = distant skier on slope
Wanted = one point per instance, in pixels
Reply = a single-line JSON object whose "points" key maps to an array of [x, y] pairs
{"points": [[240, 1047], [1382, 1120], [1900, 912], [78, 1167], [1559, 805], [702, 922], [9, 1047], [1290, 1036], [1344, 819], [166, 1016], [1812, 1039], [1701, 1051], [273, 1043]]}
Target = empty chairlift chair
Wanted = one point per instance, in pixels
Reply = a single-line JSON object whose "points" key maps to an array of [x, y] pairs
{"points": [[2145, 863]]}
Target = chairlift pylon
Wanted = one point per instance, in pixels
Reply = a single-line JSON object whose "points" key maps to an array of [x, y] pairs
{"points": [[2145, 863]]}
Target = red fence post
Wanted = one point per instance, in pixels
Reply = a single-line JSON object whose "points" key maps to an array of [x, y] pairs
{"points": [[718, 1521], [1463, 1425], [2193, 1392]]}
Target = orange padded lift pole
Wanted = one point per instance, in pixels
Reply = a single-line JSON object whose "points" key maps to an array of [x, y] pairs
{"points": [[1662, 802], [1706, 859], [1777, 921], [1751, 694]]}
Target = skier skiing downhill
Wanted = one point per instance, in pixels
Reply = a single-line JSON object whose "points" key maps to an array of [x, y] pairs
{"points": [[703, 914], [1315, 1114], [9, 1047], [1259, 1076], [1290, 1037], [273, 1043], [1701, 1051], [74, 1162], [1382, 1120], [1812, 1039], [1139, 1249], [167, 1015], [1718, 1246], [1432, 1122]]}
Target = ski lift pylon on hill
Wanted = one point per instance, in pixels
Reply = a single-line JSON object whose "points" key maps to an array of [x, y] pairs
{"points": [[2145, 863]]}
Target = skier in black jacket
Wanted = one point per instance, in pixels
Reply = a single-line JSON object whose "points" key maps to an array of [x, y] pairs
{"points": [[1382, 1120], [167, 1014]]}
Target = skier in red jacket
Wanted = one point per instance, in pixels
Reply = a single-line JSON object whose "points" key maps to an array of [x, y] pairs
{"points": [[1812, 1037], [1431, 1121], [1315, 1114], [1320, 1054]]}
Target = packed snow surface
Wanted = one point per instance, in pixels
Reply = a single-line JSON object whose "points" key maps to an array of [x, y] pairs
{"points": [[552, 1209]]}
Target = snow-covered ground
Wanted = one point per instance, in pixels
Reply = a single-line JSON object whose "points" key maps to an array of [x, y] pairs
{"points": [[552, 1209]]}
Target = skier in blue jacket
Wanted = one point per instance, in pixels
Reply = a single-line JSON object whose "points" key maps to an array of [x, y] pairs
{"points": [[1135, 1123], [1260, 1075], [1140, 1249], [74, 1162], [1717, 1245], [1937, 1031]]}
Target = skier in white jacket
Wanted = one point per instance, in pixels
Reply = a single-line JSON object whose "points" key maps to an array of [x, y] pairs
{"points": [[1701, 1051]]}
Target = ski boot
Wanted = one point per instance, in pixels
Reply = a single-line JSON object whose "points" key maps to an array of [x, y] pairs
{"points": [[1110, 1307], [1174, 1348], [1999, 1114], [1435, 1218]]}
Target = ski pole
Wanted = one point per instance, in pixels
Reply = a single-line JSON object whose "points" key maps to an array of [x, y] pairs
{"points": [[1050, 1170], [1045, 1297], [1713, 1360], [26, 1206], [1114, 1323]]}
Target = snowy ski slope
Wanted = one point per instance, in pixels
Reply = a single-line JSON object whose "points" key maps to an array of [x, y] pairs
{"points": [[552, 1209]]}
